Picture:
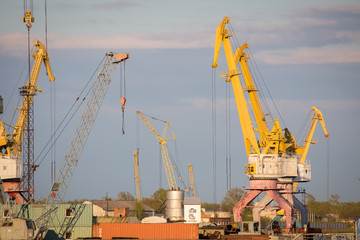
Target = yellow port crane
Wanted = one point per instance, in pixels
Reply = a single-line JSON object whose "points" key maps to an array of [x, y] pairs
{"points": [[137, 175], [308, 140], [192, 180], [11, 143], [272, 152], [169, 168]]}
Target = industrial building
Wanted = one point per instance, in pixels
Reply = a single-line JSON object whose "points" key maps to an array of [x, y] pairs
{"points": [[116, 208]]}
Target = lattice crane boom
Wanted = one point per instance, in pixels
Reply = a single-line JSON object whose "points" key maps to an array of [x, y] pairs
{"points": [[11, 145], [12, 142], [169, 168], [137, 175], [67, 169], [192, 180]]}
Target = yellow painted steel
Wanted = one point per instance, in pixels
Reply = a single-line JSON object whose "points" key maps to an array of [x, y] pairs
{"points": [[308, 140], [222, 36], [12, 142], [137, 176], [274, 140], [169, 168], [192, 180]]}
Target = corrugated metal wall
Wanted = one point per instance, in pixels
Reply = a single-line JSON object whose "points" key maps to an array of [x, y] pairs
{"points": [[82, 228], [324, 225], [146, 230]]}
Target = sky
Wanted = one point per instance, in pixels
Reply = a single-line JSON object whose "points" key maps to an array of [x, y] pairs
{"points": [[307, 52]]}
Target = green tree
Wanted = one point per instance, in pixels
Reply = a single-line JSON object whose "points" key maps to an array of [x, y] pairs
{"points": [[213, 206], [232, 197], [335, 205], [139, 211], [349, 210], [311, 202], [157, 200], [106, 198], [125, 196]]}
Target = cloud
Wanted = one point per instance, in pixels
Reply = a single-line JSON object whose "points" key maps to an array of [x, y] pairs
{"points": [[107, 5], [329, 106], [13, 44], [306, 55]]}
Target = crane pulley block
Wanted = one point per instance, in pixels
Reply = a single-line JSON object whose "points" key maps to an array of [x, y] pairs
{"points": [[28, 17]]}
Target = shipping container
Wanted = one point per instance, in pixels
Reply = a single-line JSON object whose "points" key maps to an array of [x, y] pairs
{"points": [[146, 230]]}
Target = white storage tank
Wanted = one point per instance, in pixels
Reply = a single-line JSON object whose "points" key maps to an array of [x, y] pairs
{"points": [[175, 205]]}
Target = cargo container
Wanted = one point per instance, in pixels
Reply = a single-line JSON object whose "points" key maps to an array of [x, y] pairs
{"points": [[146, 230]]}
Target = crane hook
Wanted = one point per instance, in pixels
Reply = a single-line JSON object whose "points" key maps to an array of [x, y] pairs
{"points": [[28, 25], [122, 102]]}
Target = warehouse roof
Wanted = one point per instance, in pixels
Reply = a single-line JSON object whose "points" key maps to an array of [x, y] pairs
{"points": [[111, 204]]}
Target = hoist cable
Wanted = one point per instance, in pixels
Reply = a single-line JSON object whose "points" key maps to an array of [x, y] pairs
{"points": [[123, 96], [258, 85], [174, 161], [227, 134], [12, 94], [68, 113], [62, 130], [160, 164], [157, 119], [228, 137], [124, 81], [328, 168], [213, 96], [267, 89], [46, 33], [302, 127]]}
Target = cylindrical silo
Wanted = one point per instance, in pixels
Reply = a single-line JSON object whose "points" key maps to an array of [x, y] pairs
{"points": [[174, 205]]}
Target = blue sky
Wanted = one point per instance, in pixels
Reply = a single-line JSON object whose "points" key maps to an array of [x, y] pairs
{"points": [[308, 53]]}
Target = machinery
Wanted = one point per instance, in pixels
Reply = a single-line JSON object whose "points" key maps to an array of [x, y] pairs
{"points": [[70, 161], [168, 165], [67, 169], [137, 175], [174, 196], [192, 181], [11, 171], [275, 161]]}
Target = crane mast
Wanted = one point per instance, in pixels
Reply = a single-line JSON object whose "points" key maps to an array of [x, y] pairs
{"points": [[192, 180], [11, 144], [273, 162], [67, 169], [137, 175], [169, 168]]}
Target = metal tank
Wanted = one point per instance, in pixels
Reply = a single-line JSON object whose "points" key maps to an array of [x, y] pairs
{"points": [[174, 205]]}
